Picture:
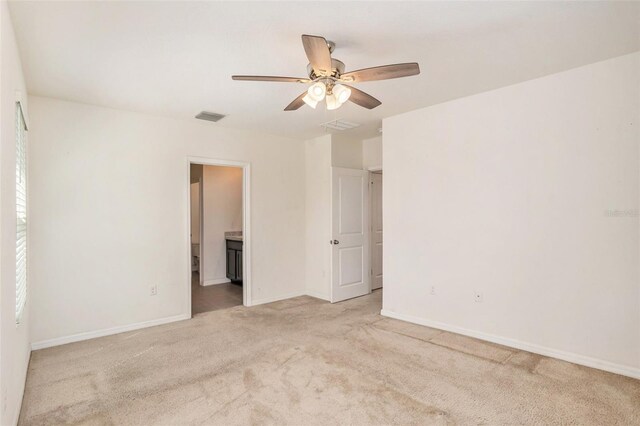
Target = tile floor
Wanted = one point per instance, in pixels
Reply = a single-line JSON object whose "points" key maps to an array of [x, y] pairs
{"points": [[213, 297]]}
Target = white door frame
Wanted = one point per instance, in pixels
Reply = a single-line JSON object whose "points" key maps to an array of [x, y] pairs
{"points": [[246, 222]]}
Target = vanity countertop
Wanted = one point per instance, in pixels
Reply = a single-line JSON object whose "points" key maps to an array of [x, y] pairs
{"points": [[234, 237]]}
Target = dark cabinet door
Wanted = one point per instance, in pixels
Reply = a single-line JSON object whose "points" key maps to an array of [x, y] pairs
{"points": [[234, 260], [232, 265]]}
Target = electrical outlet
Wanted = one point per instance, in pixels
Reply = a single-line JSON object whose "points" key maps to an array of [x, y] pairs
{"points": [[433, 290], [154, 290], [478, 297]]}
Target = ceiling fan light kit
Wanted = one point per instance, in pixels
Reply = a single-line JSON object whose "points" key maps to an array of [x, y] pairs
{"points": [[332, 102], [334, 94], [342, 93], [308, 99], [328, 78], [317, 91]]}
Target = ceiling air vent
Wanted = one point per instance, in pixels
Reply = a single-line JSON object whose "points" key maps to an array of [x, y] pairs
{"points": [[340, 125], [210, 116]]}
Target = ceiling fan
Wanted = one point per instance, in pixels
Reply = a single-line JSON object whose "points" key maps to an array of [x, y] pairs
{"points": [[328, 77]]}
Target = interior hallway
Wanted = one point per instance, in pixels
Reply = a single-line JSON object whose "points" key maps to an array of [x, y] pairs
{"points": [[305, 361]]}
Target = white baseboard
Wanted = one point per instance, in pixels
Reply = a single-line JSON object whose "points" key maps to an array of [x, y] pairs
{"points": [[216, 281], [130, 327], [611, 367], [105, 332], [318, 295], [277, 298]]}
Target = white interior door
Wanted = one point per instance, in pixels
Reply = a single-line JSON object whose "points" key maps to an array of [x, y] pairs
{"points": [[376, 230], [349, 224]]}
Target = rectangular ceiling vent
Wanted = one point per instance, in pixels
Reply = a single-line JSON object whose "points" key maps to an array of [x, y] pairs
{"points": [[340, 125], [210, 116]]}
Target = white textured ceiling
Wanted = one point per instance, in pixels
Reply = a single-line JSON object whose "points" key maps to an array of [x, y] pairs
{"points": [[177, 58]]}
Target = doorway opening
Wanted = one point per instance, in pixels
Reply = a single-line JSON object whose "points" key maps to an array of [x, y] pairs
{"points": [[376, 246], [219, 275]]}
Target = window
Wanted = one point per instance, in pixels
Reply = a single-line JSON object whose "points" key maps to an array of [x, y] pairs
{"points": [[21, 213]]}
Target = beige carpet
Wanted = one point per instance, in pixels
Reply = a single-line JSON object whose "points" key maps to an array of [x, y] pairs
{"points": [[304, 361]]}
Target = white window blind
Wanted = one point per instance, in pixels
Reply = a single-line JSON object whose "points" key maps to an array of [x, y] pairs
{"points": [[21, 213]]}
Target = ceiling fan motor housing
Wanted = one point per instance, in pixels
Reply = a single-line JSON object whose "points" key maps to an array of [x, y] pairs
{"points": [[337, 68]]}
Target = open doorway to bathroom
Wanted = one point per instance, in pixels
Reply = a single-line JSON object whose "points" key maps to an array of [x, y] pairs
{"points": [[216, 198]]}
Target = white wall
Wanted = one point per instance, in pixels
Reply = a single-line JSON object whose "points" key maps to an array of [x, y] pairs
{"points": [[14, 340], [318, 217], [509, 193], [222, 212], [372, 152], [103, 240], [346, 151]]}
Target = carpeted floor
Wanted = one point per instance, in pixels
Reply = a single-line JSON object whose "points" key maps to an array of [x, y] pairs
{"points": [[303, 361]]}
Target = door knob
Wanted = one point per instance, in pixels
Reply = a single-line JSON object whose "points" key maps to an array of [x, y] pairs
{"points": [[336, 242]]}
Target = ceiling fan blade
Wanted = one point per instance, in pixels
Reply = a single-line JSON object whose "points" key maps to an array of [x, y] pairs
{"points": [[297, 102], [363, 99], [270, 78], [384, 72], [318, 53]]}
